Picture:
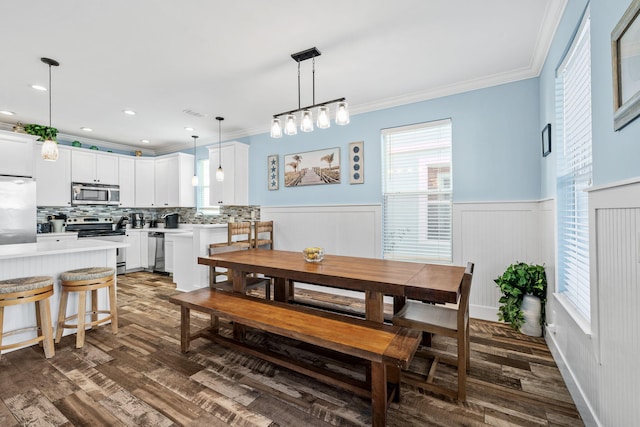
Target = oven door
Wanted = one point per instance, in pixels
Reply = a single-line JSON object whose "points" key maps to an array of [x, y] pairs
{"points": [[121, 261]]}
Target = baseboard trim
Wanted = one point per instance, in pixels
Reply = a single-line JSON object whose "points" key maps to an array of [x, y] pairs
{"points": [[584, 408]]}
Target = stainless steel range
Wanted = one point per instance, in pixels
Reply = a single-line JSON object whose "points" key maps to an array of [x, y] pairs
{"points": [[91, 227]]}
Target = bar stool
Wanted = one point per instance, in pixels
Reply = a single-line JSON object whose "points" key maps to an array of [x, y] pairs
{"points": [[24, 290], [82, 281]]}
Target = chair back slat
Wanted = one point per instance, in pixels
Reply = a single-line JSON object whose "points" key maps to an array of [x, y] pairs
{"points": [[463, 302]]}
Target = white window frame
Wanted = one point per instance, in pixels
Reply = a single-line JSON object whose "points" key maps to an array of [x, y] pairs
{"points": [[427, 237], [574, 173]]}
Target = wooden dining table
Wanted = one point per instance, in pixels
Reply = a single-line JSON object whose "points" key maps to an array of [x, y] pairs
{"points": [[375, 277]]}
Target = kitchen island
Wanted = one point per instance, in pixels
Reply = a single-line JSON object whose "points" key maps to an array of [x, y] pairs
{"points": [[50, 258]]}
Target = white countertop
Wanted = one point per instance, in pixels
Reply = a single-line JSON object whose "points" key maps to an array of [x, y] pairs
{"points": [[23, 250]]}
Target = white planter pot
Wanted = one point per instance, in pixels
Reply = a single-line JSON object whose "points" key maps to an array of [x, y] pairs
{"points": [[531, 308]]}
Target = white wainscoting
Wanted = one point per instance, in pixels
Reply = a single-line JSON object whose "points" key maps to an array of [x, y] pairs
{"points": [[600, 363], [341, 229], [493, 236]]}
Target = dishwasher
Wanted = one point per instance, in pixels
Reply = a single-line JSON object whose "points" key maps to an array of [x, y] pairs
{"points": [[156, 252]]}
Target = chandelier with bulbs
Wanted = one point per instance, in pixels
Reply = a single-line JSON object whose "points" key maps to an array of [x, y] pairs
{"points": [[290, 125]]}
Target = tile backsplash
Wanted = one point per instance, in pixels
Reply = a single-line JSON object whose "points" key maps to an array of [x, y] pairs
{"points": [[187, 215]]}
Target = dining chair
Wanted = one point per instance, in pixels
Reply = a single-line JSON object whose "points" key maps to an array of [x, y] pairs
{"points": [[263, 228], [239, 234], [227, 284], [443, 320]]}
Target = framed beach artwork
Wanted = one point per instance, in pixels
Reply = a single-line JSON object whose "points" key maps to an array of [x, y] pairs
{"points": [[312, 168]]}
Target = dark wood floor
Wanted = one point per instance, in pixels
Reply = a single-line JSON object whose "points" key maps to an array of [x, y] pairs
{"points": [[140, 378]]}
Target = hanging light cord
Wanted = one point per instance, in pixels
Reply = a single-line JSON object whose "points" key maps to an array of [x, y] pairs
{"points": [[313, 75], [219, 141], [50, 90]]}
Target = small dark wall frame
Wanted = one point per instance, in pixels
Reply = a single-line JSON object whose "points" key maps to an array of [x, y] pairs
{"points": [[546, 140]]}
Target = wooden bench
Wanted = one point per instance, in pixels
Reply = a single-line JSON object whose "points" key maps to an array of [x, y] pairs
{"points": [[387, 348]]}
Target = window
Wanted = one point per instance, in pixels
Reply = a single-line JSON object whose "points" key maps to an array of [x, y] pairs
{"points": [[203, 194], [417, 191], [573, 132]]}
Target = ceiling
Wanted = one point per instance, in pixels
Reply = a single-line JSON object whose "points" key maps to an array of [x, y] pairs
{"points": [[182, 63]]}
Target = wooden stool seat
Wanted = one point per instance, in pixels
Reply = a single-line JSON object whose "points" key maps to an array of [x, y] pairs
{"points": [[85, 280], [24, 290]]}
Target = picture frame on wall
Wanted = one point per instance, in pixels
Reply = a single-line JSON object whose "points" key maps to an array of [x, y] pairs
{"points": [[356, 162], [546, 140], [272, 172], [625, 39], [312, 168]]}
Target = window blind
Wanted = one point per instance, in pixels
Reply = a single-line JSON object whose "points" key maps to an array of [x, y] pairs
{"points": [[417, 191], [574, 161]]}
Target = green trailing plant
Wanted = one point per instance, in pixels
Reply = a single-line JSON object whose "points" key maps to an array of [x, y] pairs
{"points": [[43, 132], [518, 280]]}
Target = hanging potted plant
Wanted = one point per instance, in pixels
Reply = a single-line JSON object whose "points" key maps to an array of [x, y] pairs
{"points": [[43, 132], [524, 294]]}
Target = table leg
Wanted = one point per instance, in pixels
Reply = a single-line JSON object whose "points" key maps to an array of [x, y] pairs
{"points": [[378, 394], [240, 286], [374, 306], [398, 303], [280, 289], [185, 328]]}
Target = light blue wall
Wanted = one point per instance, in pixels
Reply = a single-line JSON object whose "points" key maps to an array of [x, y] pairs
{"points": [[616, 155], [496, 149]]}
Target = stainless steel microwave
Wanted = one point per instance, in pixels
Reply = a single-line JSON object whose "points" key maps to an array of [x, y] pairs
{"points": [[94, 194]]}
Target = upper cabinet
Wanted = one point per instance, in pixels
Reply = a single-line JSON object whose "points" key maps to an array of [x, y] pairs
{"points": [[53, 179], [16, 154], [91, 167], [145, 182], [234, 190], [127, 180], [173, 187]]}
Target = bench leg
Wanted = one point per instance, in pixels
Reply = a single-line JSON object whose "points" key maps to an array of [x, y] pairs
{"points": [[185, 328], [378, 394]]}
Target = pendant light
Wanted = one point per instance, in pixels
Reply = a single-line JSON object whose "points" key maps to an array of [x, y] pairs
{"points": [[219, 172], [194, 179], [306, 114], [49, 149]]}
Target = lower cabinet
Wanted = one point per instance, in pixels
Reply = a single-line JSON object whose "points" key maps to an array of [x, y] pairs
{"points": [[133, 254], [56, 237]]}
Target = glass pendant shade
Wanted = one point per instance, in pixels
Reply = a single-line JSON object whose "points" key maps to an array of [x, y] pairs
{"points": [[49, 150], [194, 180], [306, 121], [276, 128], [323, 118], [342, 114], [290, 127], [219, 174]]}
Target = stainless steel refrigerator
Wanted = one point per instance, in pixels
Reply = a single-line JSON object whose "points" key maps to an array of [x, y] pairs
{"points": [[17, 210]]}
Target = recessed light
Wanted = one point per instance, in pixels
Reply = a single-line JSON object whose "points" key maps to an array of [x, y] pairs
{"points": [[129, 112], [38, 87], [190, 129], [86, 129], [7, 113], [145, 141]]}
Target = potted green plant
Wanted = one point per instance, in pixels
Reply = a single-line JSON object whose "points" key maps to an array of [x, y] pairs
{"points": [[43, 132], [522, 281]]}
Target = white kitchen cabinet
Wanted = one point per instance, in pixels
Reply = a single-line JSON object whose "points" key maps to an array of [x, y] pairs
{"points": [[234, 190], [144, 248], [145, 183], [127, 181], [56, 237], [16, 153], [133, 254], [91, 167], [168, 252], [173, 187], [53, 179]]}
